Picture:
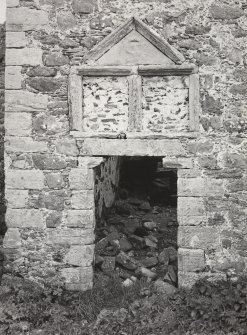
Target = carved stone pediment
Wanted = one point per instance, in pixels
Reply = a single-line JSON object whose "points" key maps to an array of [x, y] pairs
{"points": [[134, 82], [134, 43]]}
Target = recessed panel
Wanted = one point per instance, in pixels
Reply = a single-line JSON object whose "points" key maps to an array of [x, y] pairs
{"points": [[165, 104], [105, 104]]}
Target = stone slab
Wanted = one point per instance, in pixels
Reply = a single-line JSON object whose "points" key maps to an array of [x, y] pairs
{"points": [[191, 187], [12, 239], [70, 236], [67, 147], [12, 3], [24, 18], [24, 218], [132, 147], [80, 255], [190, 260], [80, 219], [16, 198], [81, 179], [15, 39], [177, 163], [82, 199], [198, 237], [24, 179], [24, 101], [13, 77], [18, 124], [26, 56], [191, 211], [24, 144], [78, 278]]}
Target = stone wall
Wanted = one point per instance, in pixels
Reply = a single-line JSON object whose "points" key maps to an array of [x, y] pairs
{"points": [[46, 167], [2, 200], [106, 186]]}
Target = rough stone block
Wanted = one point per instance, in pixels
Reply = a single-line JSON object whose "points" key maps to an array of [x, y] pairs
{"points": [[66, 20], [54, 219], [177, 163], [198, 237], [24, 101], [48, 162], [16, 198], [15, 39], [13, 77], [56, 59], [190, 260], [78, 278], [132, 147], [80, 219], [82, 199], [12, 3], [89, 162], [18, 124], [46, 85], [24, 18], [191, 187], [191, 211], [42, 71], [53, 200], [205, 147], [70, 236], [225, 12], [189, 173], [55, 180], [214, 187], [26, 56], [81, 179], [84, 7], [24, 179], [80, 255], [24, 144], [67, 147], [12, 239], [24, 218]]}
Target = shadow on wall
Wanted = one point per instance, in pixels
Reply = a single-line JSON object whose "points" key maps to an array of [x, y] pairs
{"points": [[2, 196]]}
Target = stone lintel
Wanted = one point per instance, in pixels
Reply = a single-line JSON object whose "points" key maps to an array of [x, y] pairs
{"points": [[131, 147]]}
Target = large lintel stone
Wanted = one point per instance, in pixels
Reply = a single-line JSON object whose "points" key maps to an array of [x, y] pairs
{"points": [[132, 147]]}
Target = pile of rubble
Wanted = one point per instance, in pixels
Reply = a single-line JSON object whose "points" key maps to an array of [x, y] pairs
{"points": [[138, 240]]}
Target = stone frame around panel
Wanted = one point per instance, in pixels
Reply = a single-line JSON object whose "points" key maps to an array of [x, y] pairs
{"points": [[134, 73]]}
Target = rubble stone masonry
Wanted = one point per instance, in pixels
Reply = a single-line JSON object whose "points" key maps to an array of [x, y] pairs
{"points": [[50, 173]]}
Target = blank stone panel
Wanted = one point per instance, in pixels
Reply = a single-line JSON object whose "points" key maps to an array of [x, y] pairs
{"points": [[165, 103], [105, 104]]}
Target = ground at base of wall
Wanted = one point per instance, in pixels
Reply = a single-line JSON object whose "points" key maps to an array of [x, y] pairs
{"points": [[210, 307]]}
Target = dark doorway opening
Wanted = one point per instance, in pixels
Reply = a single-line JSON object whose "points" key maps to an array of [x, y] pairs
{"points": [[137, 237]]}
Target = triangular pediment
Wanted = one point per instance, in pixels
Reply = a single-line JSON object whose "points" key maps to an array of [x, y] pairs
{"points": [[134, 49], [134, 43]]}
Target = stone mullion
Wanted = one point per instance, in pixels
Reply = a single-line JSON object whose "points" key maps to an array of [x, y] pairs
{"points": [[135, 103]]}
